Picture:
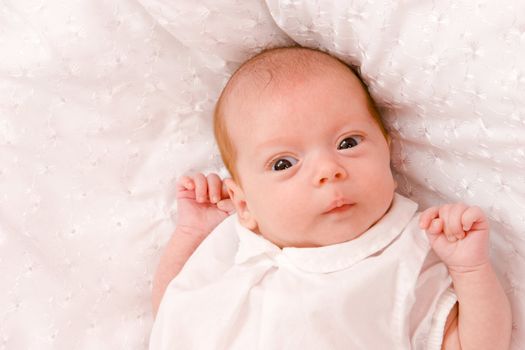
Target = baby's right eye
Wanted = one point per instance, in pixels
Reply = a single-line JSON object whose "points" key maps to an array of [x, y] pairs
{"points": [[283, 163]]}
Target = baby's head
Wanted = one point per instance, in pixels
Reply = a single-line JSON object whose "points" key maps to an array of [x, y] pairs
{"points": [[308, 154]]}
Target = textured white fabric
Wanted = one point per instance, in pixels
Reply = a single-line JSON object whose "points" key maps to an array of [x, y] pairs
{"points": [[385, 289], [104, 103], [101, 108]]}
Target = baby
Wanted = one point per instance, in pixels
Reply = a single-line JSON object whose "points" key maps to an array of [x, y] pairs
{"points": [[321, 252]]}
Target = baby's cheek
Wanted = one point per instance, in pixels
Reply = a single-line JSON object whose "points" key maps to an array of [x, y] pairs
{"points": [[285, 212], [381, 179]]}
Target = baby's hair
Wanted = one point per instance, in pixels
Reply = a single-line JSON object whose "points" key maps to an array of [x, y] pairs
{"points": [[266, 66]]}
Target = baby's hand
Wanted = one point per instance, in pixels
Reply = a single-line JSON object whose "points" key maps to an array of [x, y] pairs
{"points": [[458, 234], [202, 203]]}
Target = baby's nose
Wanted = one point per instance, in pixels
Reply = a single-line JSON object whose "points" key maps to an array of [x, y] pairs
{"points": [[329, 171]]}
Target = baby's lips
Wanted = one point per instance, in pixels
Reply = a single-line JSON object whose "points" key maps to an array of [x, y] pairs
{"points": [[336, 205]]}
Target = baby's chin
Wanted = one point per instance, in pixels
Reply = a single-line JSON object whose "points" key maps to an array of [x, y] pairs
{"points": [[314, 238], [343, 237]]}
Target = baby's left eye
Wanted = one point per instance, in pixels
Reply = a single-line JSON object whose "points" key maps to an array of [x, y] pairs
{"points": [[350, 142]]}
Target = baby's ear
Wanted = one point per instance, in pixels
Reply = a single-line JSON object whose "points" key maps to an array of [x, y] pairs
{"points": [[238, 198]]}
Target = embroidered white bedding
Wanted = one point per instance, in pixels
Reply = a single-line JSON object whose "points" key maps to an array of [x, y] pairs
{"points": [[104, 103]]}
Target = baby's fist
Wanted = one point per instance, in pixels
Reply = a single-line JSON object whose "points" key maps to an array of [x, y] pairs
{"points": [[458, 234], [453, 220], [202, 203]]}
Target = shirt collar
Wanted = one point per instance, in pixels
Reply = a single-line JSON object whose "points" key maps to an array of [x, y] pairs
{"points": [[333, 257]]}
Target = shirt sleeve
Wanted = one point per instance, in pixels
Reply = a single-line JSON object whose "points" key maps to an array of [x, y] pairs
{"points": [[434, 300], [211, 259]]}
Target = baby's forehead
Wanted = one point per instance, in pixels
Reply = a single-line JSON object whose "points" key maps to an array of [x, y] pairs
{"points": [[266, 92], [263, 80], [280, 68], [273, 74]]}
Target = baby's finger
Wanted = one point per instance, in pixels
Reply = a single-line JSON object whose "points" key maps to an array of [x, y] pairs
{"points": [[454, 220], [226, 205], [470, 216], [435, 227], [201, 187], [435, 230], [444, 214], [185, 188], [427, 216], [224, 191], [214, 187], [185, 183]]}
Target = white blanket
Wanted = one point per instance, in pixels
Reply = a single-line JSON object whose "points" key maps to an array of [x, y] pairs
{"points": [[104, 103]]}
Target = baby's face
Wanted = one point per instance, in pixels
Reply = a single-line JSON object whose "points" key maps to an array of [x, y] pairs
{"points": [[313, 164]]}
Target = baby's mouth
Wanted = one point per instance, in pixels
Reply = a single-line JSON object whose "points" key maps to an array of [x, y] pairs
{"points": [[339, 206]]}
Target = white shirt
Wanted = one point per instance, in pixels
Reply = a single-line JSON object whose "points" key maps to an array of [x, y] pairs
{"points": [[385, 289]]}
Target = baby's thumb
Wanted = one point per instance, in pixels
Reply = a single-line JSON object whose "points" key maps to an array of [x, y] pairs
{"points": [[434, 229], [226, 205]]}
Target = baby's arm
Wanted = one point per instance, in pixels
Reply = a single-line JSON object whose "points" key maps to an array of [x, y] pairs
{"points": [[483, 320], [202, 204], [459, 236]]}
